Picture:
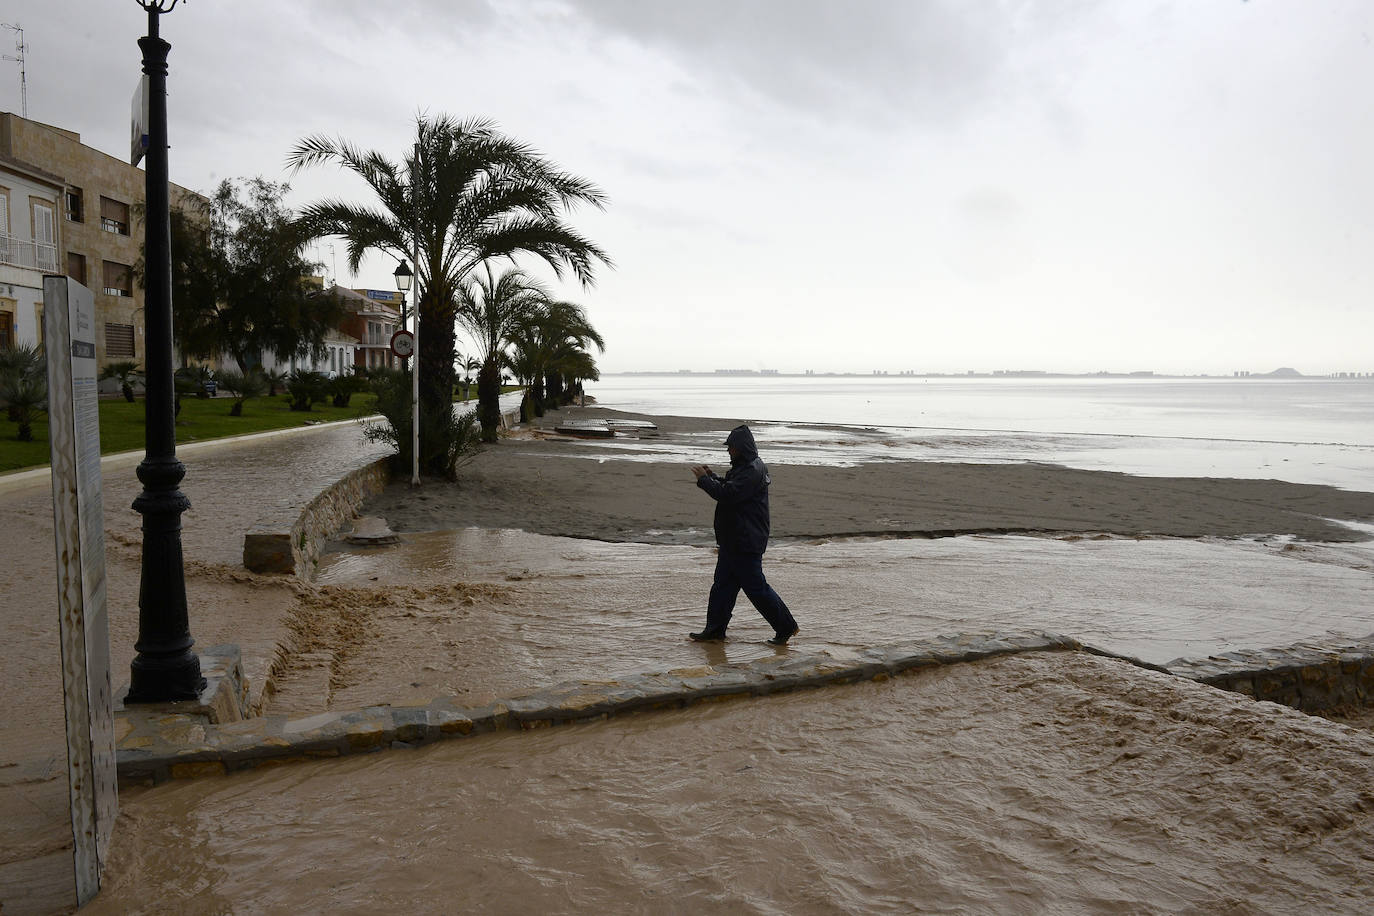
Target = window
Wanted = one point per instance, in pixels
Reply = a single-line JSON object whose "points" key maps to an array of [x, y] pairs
{"points": [[6, 330], [114, 216], [76, 267], [117, 280], [119, 341], [38, 320], [75, 206], [44, 235]]}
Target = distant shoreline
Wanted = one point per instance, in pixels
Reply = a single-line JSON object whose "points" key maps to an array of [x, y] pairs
{"points": [[1280, 374]]}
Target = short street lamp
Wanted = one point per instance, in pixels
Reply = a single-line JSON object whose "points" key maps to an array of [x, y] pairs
{"points": [[403, 278], [165, 667]]}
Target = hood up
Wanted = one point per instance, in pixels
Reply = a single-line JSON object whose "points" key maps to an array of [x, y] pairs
{"points": [[743, 441]]}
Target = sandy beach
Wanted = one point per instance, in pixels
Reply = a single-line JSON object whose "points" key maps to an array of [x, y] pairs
{"points": [[607, 496]]}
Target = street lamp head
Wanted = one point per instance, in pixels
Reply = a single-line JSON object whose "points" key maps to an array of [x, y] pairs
{"points": [[403, 277], [158, 6]]}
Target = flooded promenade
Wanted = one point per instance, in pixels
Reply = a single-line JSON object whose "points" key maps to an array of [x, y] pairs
{"points": [[1057, 781], [230, 484]]}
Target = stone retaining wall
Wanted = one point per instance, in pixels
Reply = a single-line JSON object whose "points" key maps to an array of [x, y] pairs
{"points": [[290, 538], [1315, 677]]}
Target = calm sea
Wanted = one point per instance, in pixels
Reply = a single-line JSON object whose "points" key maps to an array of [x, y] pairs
{"points": [[1305, 430]]}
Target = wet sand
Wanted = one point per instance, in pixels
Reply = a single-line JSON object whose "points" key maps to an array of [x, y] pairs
{"points": [[535, 483], [1041, 783]]}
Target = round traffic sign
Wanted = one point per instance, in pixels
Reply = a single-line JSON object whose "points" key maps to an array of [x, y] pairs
{"points": [[403, 344]]}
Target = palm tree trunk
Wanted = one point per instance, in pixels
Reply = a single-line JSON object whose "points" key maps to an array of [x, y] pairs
{"points": [[489, 398], [536, 394], [437, 340]]}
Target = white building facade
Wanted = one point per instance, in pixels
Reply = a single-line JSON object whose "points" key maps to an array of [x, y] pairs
{"points": [[30, 199]]}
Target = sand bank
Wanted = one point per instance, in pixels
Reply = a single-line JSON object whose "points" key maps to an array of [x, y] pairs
{"points": [[582, 488]]}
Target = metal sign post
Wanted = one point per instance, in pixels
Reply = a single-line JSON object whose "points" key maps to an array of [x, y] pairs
{"points": [[79, 532]]}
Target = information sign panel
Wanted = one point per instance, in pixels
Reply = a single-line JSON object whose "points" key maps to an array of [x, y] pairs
{"points": [[79, 527]]}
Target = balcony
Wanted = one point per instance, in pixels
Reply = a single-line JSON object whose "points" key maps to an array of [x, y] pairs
{"points": [[19, 252]]}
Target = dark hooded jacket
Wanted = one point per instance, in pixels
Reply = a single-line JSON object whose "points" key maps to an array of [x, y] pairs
{"points": [[741, 496]]}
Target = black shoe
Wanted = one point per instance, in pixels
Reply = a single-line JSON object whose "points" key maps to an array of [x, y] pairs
{"points": [[703, 636], [782, 638]]}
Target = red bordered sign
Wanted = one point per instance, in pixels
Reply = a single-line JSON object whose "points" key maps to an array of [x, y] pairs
{"points": [[403, 344]]}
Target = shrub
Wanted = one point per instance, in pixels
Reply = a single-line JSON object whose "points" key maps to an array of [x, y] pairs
{"points": [[242, 385], [306, 387], [449, 440], [24, 387], [342, 387]]}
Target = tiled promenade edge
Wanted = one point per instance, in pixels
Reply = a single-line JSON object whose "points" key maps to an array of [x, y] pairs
{"points": [[154, 746]]}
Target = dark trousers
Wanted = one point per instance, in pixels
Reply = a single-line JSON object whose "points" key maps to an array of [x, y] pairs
{"points": [[735, 571]]}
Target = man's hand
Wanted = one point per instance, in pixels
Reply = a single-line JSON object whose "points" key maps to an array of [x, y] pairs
{"points": [[701, 470]]}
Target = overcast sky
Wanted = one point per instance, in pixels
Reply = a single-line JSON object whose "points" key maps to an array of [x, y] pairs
{"points": [[938, 185]]}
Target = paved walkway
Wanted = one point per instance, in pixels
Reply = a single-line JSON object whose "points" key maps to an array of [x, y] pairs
{"points": [[231, 484]]}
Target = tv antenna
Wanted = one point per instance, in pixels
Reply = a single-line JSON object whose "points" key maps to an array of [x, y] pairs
{"points": [[19, 47]]}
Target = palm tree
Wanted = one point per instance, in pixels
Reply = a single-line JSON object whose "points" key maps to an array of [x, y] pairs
{"points": [[545, 340], [572, 336], [577, 368], [126, 373], [242, 386], [492, 309], [469, 365], [465, 194]]}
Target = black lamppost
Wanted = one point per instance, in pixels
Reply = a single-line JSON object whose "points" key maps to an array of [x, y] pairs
{"points": [[403, 276], [165, 667]]}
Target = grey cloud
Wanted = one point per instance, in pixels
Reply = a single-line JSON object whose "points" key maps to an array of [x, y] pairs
{"points": [[864, 58]]}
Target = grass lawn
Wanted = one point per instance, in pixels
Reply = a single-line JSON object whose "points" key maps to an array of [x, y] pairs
{"points": [[122, 426]]}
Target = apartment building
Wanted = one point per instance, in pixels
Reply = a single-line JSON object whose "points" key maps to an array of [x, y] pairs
{"points": [[95, 238], [373, 316], [29, 201]]}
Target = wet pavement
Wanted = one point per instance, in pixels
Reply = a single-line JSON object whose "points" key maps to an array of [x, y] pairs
{"points": [[229, 483]]}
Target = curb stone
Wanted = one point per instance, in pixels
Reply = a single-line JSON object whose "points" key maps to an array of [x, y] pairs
{"points": [[171, 746]]}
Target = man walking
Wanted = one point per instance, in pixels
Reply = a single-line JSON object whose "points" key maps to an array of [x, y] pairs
{"points": [[741, 524]]}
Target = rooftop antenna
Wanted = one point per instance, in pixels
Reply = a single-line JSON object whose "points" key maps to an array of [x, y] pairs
{"points": [[23, 75]]}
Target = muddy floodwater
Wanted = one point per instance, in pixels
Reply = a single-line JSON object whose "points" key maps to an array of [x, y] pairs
{"points": [[1054, 782], [482, 613]]}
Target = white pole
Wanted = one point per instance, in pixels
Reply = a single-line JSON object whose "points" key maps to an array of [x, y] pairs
{"points": [[415, 369]]}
